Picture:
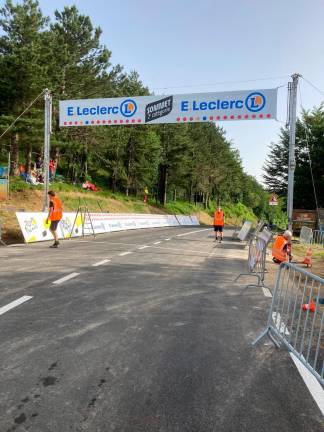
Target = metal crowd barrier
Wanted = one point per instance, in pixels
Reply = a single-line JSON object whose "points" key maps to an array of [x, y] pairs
{"points": [[318, 238], [257, 256], [306, 235], [296, 317]]}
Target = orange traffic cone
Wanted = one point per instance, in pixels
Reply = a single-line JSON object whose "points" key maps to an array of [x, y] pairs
{"points": [[310, 306], [308, 257]]}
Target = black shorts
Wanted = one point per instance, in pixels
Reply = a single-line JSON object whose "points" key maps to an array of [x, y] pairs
{"points": [[54, 224], [218, 228]]}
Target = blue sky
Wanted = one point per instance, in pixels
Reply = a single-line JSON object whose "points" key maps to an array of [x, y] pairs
{"points": [[186, 46]]}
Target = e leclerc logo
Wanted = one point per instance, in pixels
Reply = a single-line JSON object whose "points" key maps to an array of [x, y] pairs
{"points": [[128, 108], [254, 102]]}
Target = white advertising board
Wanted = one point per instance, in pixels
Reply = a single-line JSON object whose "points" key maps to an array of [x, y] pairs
{"points": [[34, 228], [178, 108]]}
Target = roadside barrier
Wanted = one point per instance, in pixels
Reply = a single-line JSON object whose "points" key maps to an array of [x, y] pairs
{"points": [[1, 241], [257, 256], [245, 231], [296, 317], [318, 238], [306, 235], [34, 227]]}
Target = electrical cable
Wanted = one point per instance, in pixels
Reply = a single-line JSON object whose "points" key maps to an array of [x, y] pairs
{"points": [[314, 86], [221, 82], [25, 110], [310, 162]]}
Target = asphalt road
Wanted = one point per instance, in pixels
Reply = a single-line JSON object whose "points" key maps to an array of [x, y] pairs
{"points": [[144, 336]]}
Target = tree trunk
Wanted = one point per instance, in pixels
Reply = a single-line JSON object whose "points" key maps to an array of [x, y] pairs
{"points": [[163, 180], [14, 154], [28, 157]]}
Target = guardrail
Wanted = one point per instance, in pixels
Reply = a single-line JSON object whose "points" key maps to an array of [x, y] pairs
{"points": [[296, 317], [318, 238]]}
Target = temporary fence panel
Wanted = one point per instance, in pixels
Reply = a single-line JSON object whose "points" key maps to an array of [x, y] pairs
{"points": [[318, 238], [257, 256], [306, 235], [259, 227], [35, 228], [245, 231], [296, 316]]}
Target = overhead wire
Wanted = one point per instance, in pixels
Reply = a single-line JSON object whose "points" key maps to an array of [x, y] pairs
{"points": [[221, 83], [310, 161], [25, 110], [313, 85]]}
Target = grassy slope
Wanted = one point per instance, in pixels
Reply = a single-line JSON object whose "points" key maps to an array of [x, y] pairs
{"points": [[25, 197]]}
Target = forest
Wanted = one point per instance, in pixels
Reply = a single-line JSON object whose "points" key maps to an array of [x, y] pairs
{"points": [[192, 162]]}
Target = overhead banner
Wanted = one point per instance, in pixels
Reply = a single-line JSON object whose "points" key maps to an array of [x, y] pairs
{"points": [[179, 108]]}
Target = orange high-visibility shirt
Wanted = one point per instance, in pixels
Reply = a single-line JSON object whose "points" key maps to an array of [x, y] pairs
{"points": [[219, 218], [57, 209], [278, 251]]}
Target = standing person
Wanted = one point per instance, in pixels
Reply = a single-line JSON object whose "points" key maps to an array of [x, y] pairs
{"points": [[55, 214], [219, 221], [51, 168]]}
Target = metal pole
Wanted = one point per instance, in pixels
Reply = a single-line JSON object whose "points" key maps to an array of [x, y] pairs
{"points": [[292, 139], [8, 176], [47, 133]]}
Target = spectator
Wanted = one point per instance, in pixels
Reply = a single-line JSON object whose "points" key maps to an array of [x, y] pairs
{"points": [[51, 169]]}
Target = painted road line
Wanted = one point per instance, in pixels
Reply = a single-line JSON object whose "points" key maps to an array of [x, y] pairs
{"points": [[183, 252], [143, 247], [14, 304], [157, 242], [65, 278], [311, 382], [266, 292], [193, 232], [124, 253], [167, 239], [99, 263], [276, 316]]}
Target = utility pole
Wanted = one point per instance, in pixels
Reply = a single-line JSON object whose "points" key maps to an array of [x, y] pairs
{"points": [[292, 138], [47, 134]]}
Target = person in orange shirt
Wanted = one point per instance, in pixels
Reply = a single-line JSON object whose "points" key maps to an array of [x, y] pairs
{"points": [[219, 222], [281, 249], [55, 214]]}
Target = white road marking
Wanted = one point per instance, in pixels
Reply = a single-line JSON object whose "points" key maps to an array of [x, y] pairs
{"points": [[183, 251], [192, 232], [277, 319], [14, 304], [266, 292], [143, 247], [65, 278], [167, 239], [99, 263], [311, 382], [157, 242], [124, 253]]}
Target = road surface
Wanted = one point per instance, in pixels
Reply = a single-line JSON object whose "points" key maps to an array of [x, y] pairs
{"points": [[141, 331]]}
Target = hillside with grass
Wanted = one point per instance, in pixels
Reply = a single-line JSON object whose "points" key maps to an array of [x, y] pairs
{"points": [[28, 198]]}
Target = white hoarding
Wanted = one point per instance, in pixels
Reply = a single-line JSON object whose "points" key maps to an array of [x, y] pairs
{"points": [[179, 108], [34, 227]]}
